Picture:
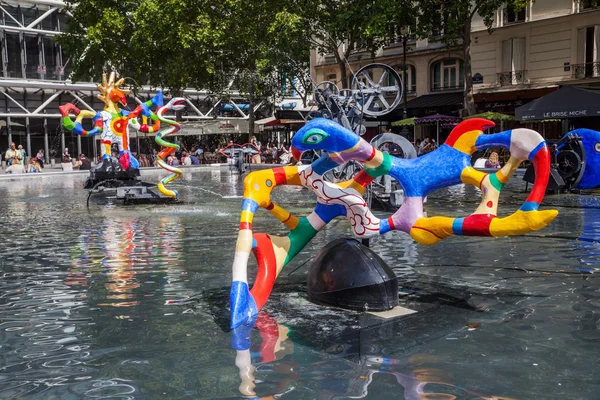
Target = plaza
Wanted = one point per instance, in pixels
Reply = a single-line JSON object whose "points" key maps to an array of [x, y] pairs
{"points": [[269, 216]]}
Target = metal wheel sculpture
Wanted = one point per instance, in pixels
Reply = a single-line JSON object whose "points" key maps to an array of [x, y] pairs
{"points": [[381, 97], [365, 98]]}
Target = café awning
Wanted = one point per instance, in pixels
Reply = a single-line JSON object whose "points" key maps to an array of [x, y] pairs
{"points": [[564, 103]]}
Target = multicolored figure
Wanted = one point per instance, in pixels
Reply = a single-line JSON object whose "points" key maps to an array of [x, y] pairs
{"points": [[449, 165], [113, 124]]}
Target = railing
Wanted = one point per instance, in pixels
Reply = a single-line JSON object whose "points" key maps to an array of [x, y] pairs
{"points": [[459, 86], [512, 77], [586, 70]]}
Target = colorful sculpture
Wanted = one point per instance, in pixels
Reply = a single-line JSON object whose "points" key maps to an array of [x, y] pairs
{"points": [[449, 165], [113, 125]]}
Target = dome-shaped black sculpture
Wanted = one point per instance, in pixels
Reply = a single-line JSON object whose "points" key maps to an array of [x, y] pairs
{"points": [[349, 275]]}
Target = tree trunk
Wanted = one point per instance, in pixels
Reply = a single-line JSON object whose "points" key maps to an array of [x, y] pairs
{"points": [[343, 74], [251, 107], [469, 103]]}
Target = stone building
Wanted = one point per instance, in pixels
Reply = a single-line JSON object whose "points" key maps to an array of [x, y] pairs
{"points": [[529, 54]]}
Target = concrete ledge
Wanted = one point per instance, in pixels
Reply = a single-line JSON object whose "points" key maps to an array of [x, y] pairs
{"points": [[51, 172]]}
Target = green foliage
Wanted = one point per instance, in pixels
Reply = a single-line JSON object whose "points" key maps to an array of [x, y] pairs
{"points": [[182, 43]]}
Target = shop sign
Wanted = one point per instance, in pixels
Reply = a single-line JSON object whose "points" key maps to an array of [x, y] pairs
{"points": [[565, 114]]}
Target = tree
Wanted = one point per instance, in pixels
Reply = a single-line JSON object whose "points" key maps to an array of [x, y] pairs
{"points": [[165, 43], [338, 27], [291, 51], [176, 44], [455, 18]]}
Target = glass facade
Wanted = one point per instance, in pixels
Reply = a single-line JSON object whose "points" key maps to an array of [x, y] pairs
{"points": [[30, 54]]}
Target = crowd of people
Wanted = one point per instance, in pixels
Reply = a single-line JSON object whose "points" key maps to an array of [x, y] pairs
{"points": [[269, 152], [16, 157]]}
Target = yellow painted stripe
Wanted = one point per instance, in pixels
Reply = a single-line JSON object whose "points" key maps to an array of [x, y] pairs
{"points": [[246, 216]]}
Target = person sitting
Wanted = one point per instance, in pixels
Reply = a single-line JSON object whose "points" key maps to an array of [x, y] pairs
{"points": [[12, 154], [83, 163], [16, 167], [194, 159], [66, 156], [185, 159], [425, 146], [34, 166], [40, 158], [286, 155], [492, 161]]}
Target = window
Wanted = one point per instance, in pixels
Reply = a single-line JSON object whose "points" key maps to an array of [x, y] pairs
{"points": [[511, 16], [50, 23], [437, 9], [66, 66], [447, 74], [13, 56], [30, 14], [395, 36], [411, 78], [50, 58], [585, 5], [33, 67], [513, 62], [62, 22], [588, 52], [11, 16]]}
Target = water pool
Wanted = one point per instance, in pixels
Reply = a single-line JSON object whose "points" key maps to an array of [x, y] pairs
{"points": [[131, 302]]}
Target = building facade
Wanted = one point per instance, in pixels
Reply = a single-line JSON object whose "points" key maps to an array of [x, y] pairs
{"points": [[35, 80], [528, 54]]}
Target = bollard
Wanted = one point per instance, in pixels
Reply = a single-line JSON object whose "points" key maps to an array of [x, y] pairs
{"points": [[53, 163], [3, 164]]}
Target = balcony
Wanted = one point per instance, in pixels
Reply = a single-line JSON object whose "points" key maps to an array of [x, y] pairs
{"points": [[512, 77], [447, 88], [586, 70]]}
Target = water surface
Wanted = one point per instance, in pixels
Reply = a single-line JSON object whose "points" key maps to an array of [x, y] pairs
{"points": [[131, 303]]}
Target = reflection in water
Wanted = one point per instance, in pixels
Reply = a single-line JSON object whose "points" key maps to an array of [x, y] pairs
{"points": [[83, 314], [347, 376], [125, 251]]}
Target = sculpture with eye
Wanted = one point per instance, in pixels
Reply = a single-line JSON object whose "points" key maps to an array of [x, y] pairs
{"points": [[446, 166]]}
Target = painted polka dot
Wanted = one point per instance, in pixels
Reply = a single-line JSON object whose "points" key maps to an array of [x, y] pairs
{"points": [[490, 204], [485, 190], [269, 183], [256, 187]]}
